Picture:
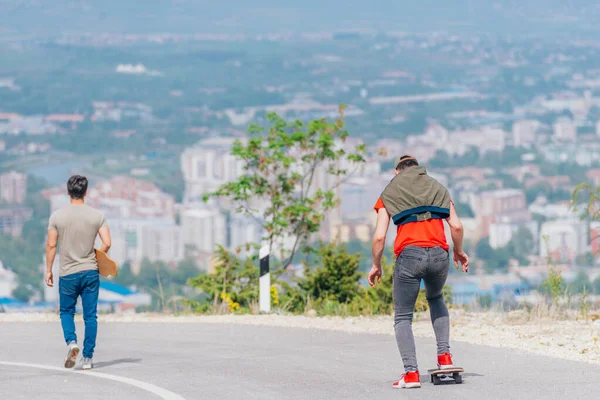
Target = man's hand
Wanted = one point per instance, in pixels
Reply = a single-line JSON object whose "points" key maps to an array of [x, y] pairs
{"points": [[463, 258], [374, 276], [49, 279]]}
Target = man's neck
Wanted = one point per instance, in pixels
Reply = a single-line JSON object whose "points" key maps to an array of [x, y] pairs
{"points": [[77, 202]]}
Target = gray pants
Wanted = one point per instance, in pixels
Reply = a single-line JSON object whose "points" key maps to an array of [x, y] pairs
{"points": [[414, 264]]}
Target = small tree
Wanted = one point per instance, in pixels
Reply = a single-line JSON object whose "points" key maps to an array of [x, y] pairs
{"points": [[291, 172], [522, 245], [234, 281], [553, 285], [22, 293], [592, 204], [337, 278]]}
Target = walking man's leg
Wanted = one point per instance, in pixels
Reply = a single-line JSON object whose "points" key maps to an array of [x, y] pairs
{"points": [[89, 299], [68, 289], [406, 283], [435, 279]]}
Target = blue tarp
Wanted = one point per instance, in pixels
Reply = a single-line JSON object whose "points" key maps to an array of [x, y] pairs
{"points": [[113, 287], [10, 302]]}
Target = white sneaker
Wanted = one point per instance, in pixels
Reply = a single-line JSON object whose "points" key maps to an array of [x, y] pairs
{"points": [[87, 363], [72, 354]]}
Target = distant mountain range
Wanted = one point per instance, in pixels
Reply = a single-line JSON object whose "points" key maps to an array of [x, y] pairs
{"points": [[501, 17]]}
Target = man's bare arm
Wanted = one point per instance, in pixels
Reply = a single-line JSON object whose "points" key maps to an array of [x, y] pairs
{"points": [[456, 229], [51, 255], [457, 232], [378, 244], [104, 233], [383, 221]]}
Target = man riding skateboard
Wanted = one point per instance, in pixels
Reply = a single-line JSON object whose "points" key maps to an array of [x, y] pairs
{"points": [[417, 204], [76, 227]]}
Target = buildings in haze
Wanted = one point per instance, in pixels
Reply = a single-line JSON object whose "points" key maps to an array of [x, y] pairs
{"points": [[524, 133], [13, 218], [564, 239], [565, 129], [13, 188], [203, 229], [501, 207], [207, 165], [136, 239]]}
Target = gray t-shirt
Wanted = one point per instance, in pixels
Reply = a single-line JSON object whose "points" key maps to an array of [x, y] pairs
{"points": [[77, 227]]}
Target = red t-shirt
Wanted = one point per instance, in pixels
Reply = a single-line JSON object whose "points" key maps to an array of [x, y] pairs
{"points": [[428, 233]]}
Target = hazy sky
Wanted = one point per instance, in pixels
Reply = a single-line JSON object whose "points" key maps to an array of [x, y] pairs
{"points": [[504, 17]]}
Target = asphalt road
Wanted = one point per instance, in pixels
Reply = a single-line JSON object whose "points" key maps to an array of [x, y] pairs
{"points": [[212, 361]]}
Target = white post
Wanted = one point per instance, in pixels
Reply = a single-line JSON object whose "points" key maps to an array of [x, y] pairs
{"points": [[265, 280]]}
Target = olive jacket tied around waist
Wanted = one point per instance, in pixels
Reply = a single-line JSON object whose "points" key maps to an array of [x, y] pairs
{"points": [[414, 196]]}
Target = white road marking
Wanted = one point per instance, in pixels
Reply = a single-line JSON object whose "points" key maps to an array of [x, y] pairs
{"points": [[162, 393]]}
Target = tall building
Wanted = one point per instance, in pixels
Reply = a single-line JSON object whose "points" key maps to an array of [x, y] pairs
{"points": [[13, 187], [501, 233], [506, 206], [564, 239], [207, 165], [204, 229], [13, 218], [162, 243], [485, 139], [524, 133], [495, 202], [134, 239], [565, 129]]}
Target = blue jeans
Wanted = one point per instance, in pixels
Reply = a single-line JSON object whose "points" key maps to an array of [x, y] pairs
{"points": [[87, 285]]}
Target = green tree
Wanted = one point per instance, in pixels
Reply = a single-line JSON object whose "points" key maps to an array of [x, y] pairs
{"points": [[494, 259], [581, 283], [483, 250], [585, 260], [337, 278], [591, 204], [279, 187], [381, 301], [464, 210], [185, 270], [234, 280], [522, 245], [22, 293], [441, 160], [125, 276], [596, 286]]}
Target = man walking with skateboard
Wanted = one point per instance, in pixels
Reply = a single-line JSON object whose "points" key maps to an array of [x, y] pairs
{"points": [[76, 226], [417, 204]]}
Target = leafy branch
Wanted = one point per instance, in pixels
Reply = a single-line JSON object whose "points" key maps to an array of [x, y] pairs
{"points": [[291, 171]]}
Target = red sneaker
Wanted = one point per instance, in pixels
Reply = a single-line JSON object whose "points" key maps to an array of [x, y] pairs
{"points": [[409, 380], [445, 361]]}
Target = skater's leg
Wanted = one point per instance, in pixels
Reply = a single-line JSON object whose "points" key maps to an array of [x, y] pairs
{"points": [[435, 279], [406, 281]]}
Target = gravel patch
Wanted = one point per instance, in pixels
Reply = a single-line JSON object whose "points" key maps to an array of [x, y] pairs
{"points": [[575, 340]]}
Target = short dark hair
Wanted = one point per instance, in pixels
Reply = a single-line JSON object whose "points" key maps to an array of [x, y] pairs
{"points": [[77, 186], [406, 161]]}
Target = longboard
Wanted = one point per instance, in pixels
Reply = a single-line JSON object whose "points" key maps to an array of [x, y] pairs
{"points": [[106, 266], [443, 376]]}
